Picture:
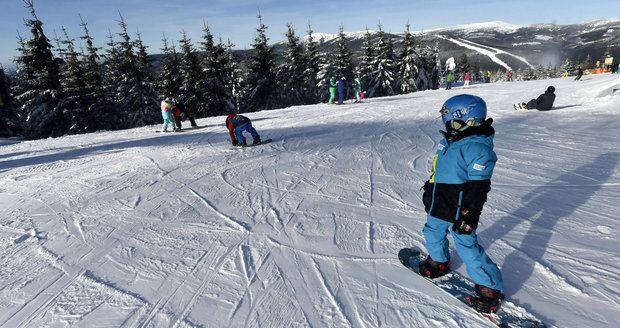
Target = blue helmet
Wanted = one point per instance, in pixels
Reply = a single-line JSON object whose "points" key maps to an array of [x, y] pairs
{"points": [[463, 111]]}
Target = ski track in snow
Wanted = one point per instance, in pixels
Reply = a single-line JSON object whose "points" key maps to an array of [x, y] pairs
{"points": [[487, 51], [137, 229]]}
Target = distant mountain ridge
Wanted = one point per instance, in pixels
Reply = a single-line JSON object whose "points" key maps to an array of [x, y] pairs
{"points": [[518, 46]]}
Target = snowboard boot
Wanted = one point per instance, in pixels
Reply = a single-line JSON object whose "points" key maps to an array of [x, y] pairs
{"points": [[257, 141], [486, 300], [432, 269]]}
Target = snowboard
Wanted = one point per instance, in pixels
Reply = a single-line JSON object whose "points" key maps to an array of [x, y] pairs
{"points": [[519, 107], [266, 141], [509, 314]]}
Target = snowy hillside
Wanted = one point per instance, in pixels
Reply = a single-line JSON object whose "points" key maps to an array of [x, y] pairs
{"points": [[141, 229]]}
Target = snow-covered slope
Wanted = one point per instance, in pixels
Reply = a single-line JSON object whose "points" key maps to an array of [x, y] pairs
{"points": [[141, 229]]}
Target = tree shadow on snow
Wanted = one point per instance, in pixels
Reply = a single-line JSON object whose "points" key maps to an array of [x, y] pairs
{"points": [[545, 207]]}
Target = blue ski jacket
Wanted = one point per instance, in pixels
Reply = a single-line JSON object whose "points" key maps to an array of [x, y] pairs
{"points": [[461, 177]]}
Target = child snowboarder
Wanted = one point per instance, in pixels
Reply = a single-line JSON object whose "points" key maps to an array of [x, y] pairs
{"points": [[467, 79], [167, 106], [182, 109], [332, 90], [341, 91], [455, 194], [449, 80], [236, 125], [543, 102], [358, 89]]}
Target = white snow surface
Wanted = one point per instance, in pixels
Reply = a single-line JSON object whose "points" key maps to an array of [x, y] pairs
{"points": [[141, 229]]}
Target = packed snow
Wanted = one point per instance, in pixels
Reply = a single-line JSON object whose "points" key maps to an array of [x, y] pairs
{"points": [[141, 229]]}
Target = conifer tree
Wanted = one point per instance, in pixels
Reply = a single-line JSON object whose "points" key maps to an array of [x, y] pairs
{"points": [[74, 102], [219, 99], [384, 68], [37, 89], [170, 79], [342, 65], [191, 92], [261, 88], [137, 96], [462, 64], [101, 112], [313, 81], [291, 71], [10, 123], [365, 66], [408, 63], [234, 77]]}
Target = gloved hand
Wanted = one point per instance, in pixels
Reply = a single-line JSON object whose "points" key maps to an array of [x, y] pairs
{"points": [[464, 226], [235, 143]]}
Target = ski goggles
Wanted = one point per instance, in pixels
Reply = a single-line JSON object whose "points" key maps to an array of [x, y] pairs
{"points": [[460, 125]]}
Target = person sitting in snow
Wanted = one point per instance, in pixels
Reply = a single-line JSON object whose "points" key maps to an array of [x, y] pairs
{"points": [[182, 109], [236, 125], [455, 194], [167, 106], [543, 102]]}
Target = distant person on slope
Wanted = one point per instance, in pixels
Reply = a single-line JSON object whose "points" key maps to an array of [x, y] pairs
{"points": [[236, 125], [509, 76], [467, 79], [341, 91], [455, 194], [579, 73], [167, 106], [488, 77], [449, 80], [182, 109], [543, 102], [332, 90], [358, 89]]}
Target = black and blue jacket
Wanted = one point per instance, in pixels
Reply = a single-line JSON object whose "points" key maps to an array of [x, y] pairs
{"points": [[461, 176]]}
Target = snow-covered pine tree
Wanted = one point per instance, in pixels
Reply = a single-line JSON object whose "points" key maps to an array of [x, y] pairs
{"points": [[261, 89], [429, 68], [313, 61], [137, 95], [170, 79], [101, 112], [75, 102], [37, 89], [191, 92], [568, 67], [219, 99], [384, 67], [365, 67], [462, 65], [234, 77], [342, 65], [291, 71], [408, 63], [10, 122]]}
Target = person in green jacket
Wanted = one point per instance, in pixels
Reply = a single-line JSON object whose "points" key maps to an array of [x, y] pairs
{"points": [[358, 88], [332, 90], [449, 80]]}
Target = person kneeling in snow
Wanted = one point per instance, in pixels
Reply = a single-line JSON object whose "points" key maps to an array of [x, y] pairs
{"points": [[236, 124], [543, 102], [455, 194]]}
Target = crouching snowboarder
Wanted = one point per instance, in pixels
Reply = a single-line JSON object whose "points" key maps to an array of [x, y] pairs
{"points": [[182, 109], [236, 125], [455, 194], [543, 102]]}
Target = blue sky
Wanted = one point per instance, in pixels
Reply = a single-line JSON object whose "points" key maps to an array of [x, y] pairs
{"points": [[236, 19]]}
